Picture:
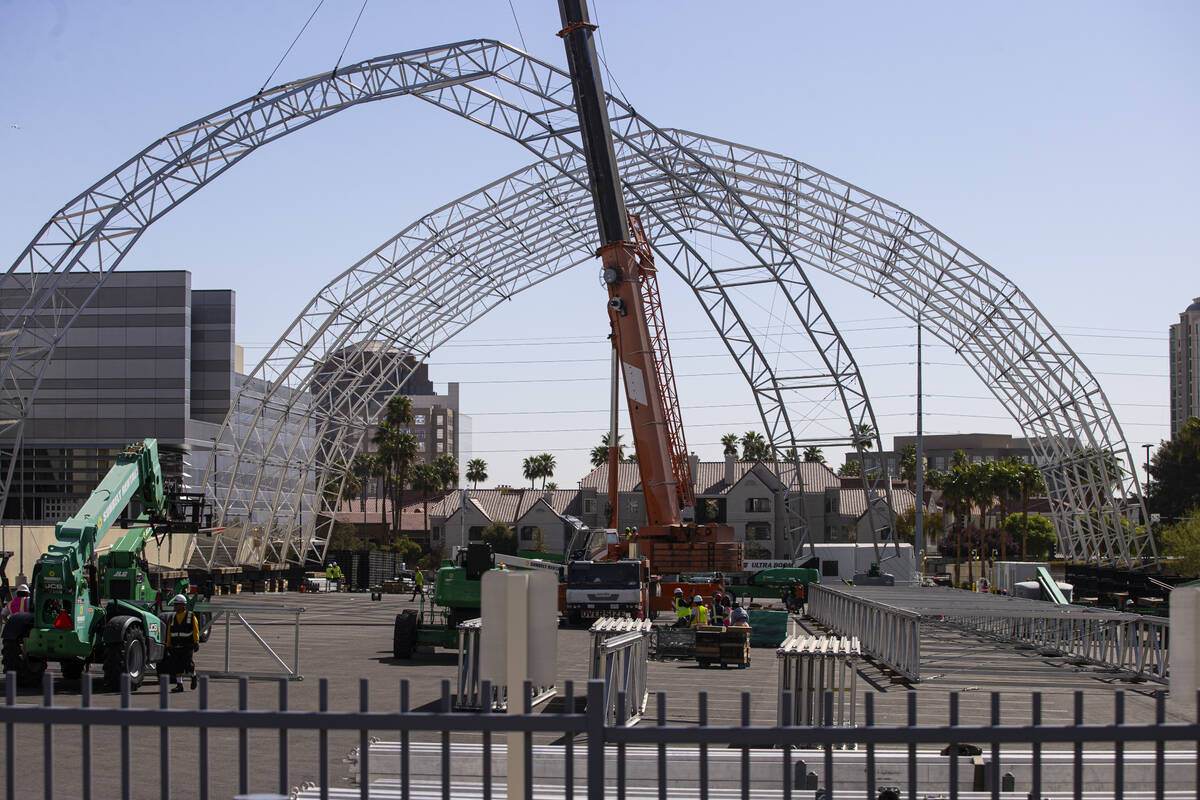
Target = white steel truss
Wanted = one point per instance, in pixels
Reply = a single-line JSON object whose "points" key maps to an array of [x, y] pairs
{"points": [[444, 272]]}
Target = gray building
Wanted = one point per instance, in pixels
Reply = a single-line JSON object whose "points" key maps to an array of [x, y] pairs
{"points": [[384, 372], [148, 357], [1184, 343]]}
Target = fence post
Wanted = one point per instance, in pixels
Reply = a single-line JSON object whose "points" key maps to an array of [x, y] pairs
{"points": [[595, 743]]}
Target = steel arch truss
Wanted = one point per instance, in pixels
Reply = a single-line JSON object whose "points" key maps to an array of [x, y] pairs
{"points": [[783, 215]]}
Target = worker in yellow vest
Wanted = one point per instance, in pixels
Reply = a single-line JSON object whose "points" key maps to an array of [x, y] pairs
{"points": [[699, 612], [683, 611]]}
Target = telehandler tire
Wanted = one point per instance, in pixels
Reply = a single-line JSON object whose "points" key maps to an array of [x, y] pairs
{"points": [[127, 656], [404, 635], [72, 670], [29, 670]]}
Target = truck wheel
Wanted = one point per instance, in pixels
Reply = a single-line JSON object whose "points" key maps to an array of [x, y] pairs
{"points": [[72, 670], [126, 657], [29, 670], [404, 635]]}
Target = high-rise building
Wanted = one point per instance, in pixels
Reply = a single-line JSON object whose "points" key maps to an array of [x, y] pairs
{"points": [[1184, 341]]}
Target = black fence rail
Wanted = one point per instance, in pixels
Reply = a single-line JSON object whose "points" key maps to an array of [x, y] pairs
{"points": [[571, 753]]}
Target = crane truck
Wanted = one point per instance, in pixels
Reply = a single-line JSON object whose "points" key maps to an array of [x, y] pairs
{"points": [[639, 340], [100, 607]]}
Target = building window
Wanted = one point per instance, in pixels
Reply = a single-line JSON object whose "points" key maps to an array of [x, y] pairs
{"points": [[437, 532], [440, 447], [529, 532], [758, 504], [758, 531], [440, 433], [475, 533], [589, 505], [634, 506]]}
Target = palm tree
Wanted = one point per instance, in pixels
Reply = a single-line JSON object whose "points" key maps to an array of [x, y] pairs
{"points": [[476, 471], [1004, 486], [600, 451], [813, 453], [850, 469], [955, 490], [363, 467], [397, 447], [983, 495], [546, 465], [426, 481], [730, 442], [864, 434], [447, 469], [1029, 481], [755, 447], [531, 469], [908, 465]]}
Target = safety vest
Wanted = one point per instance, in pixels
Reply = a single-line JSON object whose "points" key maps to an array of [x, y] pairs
{"points": [[419, 579], [337, 572], [182, 631], [329, 573], [682, 610], [20, 604], [701, 617]]}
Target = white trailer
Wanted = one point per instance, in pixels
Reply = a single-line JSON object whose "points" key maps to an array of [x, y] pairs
{"points": [[839, 563]]}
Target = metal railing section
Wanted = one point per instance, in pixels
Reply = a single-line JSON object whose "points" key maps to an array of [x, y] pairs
{"points": [[473, 693], [1136, 644], [1021, 758], [888, 634], [619, 650], [236, 612], [809, 668]]}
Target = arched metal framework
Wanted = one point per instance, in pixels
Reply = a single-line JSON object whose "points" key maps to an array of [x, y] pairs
{"points": [[784, 215]]}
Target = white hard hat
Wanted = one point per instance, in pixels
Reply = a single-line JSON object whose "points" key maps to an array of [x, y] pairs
{"points": [[678, 590], [23, 588], [697, 599], [178, 599]]}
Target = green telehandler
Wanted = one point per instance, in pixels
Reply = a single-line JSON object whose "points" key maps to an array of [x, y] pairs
{"points": [[455, 599], [93, 607]]}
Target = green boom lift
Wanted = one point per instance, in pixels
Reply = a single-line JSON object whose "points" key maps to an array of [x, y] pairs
{"points": [[91, 607]]}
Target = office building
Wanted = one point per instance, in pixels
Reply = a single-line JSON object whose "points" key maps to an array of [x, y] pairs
{"points": [[1184, 344]]}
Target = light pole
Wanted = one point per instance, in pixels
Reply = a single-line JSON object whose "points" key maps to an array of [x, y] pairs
{"points": [[1147, 446]]}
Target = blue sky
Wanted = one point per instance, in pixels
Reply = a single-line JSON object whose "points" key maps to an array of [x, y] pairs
{"points": [[1057, 141]]}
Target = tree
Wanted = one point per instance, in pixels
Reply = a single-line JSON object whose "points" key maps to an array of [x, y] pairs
{"points": [[363, 467], [1036, 532], [813, 454], [1029, 482], [906, 525], [955, 486], [908, 465], [344, 536], [850, 469], [539, 541], [397, 450], [408, 550], [531, 469], [983, 496], [755, 447], [552, 486], [1175, 473], [631, 458], [502, 538], [476, 471], [545, 466], [600, 451], [1005, 478], [426, 481], [730, 442], [447, 469], [1182, 541], [864, 435]]}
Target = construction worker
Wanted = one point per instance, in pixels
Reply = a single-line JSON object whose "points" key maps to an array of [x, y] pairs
{"points": [[329, 586], [418, 585], [699, 612], [183, 632], [23, 602], [683, 612], [337, 577], [738, 615], [715, 616]]}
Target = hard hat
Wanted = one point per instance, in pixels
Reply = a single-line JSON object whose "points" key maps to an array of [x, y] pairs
{"points": [[178, 599], [697, 599], [678, 590], [23, 588]]}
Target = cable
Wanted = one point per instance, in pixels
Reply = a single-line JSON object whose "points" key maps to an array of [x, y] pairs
{"points": [[520, 33], [290, 46], [351, 36]]}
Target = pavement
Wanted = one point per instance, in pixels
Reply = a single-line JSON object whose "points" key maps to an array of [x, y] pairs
{"points": [[346, 638]]}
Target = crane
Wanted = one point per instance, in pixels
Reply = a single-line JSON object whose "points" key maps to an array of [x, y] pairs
{"points": [[639, 336]]}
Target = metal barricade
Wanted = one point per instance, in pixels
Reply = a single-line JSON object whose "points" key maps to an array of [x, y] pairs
{"points": [[231, 612], [811, 669], [888, 634], [619, 650], [470, 692]]}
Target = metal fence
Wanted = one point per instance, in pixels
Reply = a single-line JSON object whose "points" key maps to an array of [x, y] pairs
{"points": [[237, 612], [618, 657], [580, 754], [889, 634], [809, 668], [1138, 644]]}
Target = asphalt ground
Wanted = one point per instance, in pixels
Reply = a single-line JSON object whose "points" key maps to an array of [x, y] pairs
{"points": [[346, 638]]}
